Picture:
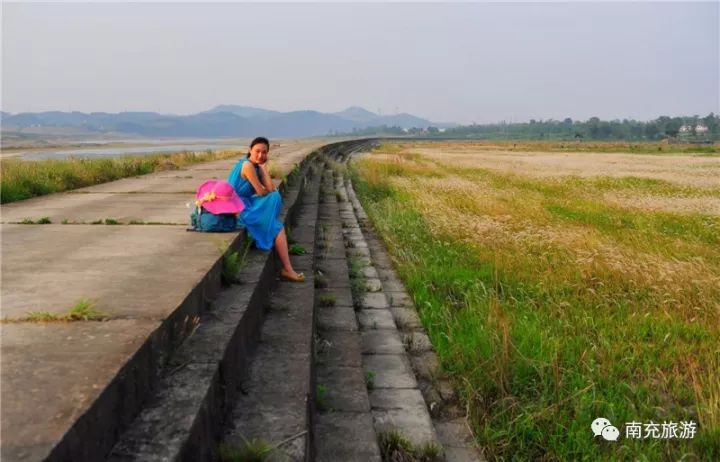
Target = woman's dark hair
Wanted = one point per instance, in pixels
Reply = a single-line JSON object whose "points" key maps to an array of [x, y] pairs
{"points": [[260, 139]]}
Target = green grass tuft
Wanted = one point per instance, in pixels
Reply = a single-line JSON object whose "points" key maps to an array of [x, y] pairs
{"points": [[395, 447], [232, 261], [41, 316], [327, 300], [358, 286], [296, 249], [321, 397], [230, 267], [83, 310], [40, 221], [254, 450], [370, 380]]}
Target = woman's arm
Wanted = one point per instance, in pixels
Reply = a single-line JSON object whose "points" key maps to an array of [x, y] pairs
{"points": [[266, 178], [248, 172]]}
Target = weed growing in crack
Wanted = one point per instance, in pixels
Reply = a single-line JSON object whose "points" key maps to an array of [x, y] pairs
{"points": [[370, 380], [395, 447], [296, 249], [254, 450], [321, 397], [327, 300], [83, 310]]}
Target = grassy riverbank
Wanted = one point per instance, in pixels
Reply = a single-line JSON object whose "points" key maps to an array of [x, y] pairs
{"points": [[21, 179], [552, 300]]}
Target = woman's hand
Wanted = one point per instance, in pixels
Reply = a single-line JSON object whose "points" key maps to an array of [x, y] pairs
{"points": [[259, 185], [266, 178], [262, 159]]}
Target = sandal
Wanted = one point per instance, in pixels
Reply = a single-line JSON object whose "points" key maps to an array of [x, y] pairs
{"points": [[289, 277]]}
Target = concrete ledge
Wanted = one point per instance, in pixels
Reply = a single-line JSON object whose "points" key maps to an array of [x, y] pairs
{"points": [[152, 345], [184, 424], [276, 404], [164, 341], [185, 420]]}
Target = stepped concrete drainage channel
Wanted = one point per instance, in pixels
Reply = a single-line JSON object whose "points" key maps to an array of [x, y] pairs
{"points": [[324, 370], [372, 341]]}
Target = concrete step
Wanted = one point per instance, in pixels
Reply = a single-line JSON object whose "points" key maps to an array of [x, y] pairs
{"points": [[274, 415], [274, 408], [184, 419], [395, 400], [135, 383], [343, 420], [411, 394]]}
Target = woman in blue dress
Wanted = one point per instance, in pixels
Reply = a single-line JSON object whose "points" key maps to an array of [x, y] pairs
{"points": [[263, 205]]}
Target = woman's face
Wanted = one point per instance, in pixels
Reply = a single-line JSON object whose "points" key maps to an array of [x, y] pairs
{"points": [[259, 153]]}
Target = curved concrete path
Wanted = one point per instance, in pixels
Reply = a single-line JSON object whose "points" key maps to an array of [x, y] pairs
{"points": [[137, 275]]}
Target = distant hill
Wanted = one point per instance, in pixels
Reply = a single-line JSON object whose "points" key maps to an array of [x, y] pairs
{"points": [[357, 114], [220, 121], [243, 111]]}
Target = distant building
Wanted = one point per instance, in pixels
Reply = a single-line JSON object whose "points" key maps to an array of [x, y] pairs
{"points": [[699, 129]]}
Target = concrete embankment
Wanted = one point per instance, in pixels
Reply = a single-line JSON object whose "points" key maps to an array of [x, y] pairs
{"points": [[68, 389], [182, 368]]}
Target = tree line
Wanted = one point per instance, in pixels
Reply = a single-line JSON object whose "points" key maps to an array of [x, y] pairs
{"points": [[692, 128]]}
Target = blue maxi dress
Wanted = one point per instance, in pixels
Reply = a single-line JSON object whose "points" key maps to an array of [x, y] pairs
{"points": [[260, 215]]}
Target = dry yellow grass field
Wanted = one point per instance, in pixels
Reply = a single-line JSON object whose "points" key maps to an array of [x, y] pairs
{"points": [[580, 283]]}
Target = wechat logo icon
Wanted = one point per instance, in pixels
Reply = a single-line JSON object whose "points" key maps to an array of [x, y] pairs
{"points": [[602, 427]]}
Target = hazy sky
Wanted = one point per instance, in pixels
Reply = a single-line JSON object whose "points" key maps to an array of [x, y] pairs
{"points": [[455, 62]]}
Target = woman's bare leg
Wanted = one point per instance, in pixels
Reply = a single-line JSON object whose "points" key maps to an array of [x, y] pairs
{"points": [[281, 247]]}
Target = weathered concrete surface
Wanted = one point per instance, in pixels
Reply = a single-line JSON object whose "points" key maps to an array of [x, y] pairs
{"points": [[165, 208], [277, 392], [345, 389], [382, 341], [404, 409], [406, 318], [185, 417], [395, 403], [337, 348], [343, 422], [389, 371], [51, 372], [138, 274], [375, 319], [128, 271], [356, 440], [373, 285], [336, 318], [374, 300]]}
